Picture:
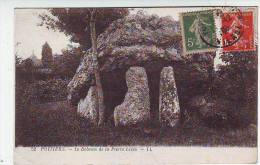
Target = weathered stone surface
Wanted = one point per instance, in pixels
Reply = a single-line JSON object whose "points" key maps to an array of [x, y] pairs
{"points": [[147, 41], [79, 85], [136, 106], [169, 108], [134, 40], [138, 39], [87, 107], [140, 29]]}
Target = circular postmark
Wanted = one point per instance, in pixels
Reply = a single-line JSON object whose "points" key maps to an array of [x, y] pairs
{"points": [[231, 29]]}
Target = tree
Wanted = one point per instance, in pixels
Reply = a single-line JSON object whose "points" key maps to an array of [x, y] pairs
{"points": [[97, 14], [74, 22], [236, 82], [80, 24], [241, 67], [47, 58], [66, 64]]}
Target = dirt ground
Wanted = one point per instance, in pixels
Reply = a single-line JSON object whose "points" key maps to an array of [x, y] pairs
{"points": [[45, 126]]}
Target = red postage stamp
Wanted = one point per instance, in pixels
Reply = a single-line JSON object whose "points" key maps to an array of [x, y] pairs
{"points": [[238, 31]]}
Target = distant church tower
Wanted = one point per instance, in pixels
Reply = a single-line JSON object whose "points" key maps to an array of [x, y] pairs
{"points": [[47, 58]]}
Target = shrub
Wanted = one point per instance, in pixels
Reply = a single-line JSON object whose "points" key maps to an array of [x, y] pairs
{"points": [[236, 83], [50, 90], [40, 91], [48, 124]]}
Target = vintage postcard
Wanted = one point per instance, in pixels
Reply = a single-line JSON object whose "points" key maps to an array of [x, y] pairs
{"points": [[139, 85]]}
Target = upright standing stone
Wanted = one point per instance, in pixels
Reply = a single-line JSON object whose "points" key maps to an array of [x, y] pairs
{"points": [[169, 109], [87, 107], [136, 106]]}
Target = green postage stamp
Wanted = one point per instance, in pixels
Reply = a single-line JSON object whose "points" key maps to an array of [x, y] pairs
{"points": [[198, 31]]}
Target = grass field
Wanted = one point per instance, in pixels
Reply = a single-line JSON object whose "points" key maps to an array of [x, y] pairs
{"points": [[59, 124]]}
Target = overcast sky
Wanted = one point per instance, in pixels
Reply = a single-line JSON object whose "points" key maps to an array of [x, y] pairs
{"points": [[31, 37]]}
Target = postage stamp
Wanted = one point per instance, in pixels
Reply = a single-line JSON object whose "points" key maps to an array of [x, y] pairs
{"points": [[143, 97], [237, 31], [196, 28], [233, 32]]}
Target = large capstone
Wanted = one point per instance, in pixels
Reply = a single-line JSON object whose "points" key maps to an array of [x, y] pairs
{"points": [[169, 108], [87, 107], [135, 108], [147, 41]]}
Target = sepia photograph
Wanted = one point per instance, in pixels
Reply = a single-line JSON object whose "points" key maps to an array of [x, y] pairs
{"points": [[141, 76], [118, 76]]}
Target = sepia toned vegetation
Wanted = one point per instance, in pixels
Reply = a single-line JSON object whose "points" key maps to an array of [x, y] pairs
{"points": [[45, 118]]}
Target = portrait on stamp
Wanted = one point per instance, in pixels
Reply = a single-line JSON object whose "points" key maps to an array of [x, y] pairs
{"points": [[238, 27], [194, 26]]}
